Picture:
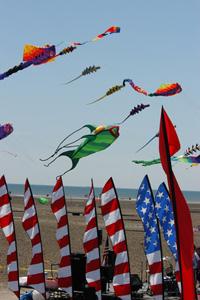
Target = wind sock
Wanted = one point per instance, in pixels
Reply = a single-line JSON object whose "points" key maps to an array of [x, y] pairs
{"points": [[91, 244], [152, 241], [35, 275], [7, 225], [59, 209], [168, 145], [165, 215], [113, 220]]}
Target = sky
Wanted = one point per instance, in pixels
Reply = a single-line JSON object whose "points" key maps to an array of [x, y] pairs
{"points": [[159, 43]]}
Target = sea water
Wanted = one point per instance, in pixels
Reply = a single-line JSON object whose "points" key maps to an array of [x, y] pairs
{"points": [[81, 192]]}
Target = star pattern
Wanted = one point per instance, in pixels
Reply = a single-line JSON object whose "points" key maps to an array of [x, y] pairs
{"points": [[145, 209], [164, 212]]}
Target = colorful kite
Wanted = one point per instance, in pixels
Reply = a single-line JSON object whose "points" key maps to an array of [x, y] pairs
{"points": [[34, 55], [5, 130], [100, 138], [135, 111], [170, 89], [87, 71]]}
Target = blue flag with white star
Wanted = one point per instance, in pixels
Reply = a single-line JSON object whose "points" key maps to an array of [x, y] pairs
{"points": [[164, 212], [145, 209]]}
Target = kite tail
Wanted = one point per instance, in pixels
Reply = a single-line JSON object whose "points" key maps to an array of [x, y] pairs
{"points": [[66, 50], [146, 163], [111, 91], [73, 79], [15, 69], [68, 154], [97, 100], [155, 136]]}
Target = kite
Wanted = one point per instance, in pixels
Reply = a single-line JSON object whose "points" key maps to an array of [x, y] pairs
{"points": [[193, 160], [110, 30], [169, 89], [43, 200], [100, 138], [86, 71], [34, 55], [135, 111], [5, 130]]}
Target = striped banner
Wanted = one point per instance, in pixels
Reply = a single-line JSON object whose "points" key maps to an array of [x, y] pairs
{"points": [[35, 275], [59, 209], [112, 216], [7, 225], [91, 244]]}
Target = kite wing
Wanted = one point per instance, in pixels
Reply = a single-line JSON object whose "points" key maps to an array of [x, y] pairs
{"points": [[170, 89]]}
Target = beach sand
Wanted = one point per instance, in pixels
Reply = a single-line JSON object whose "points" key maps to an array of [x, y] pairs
{"points": [[133, 225]]}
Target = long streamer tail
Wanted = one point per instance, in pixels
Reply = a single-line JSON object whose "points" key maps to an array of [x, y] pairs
{"points": [[97, 100], [155, 136], [73, 79]]}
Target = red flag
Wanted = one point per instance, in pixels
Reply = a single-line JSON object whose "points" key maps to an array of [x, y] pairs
{"points": [[168, 146]]}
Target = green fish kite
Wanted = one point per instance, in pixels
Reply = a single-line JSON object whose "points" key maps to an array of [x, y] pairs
{"points": [[100, 138]]}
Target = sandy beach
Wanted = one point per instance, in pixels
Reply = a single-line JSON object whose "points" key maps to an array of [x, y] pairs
{"points": [[133, 225]]}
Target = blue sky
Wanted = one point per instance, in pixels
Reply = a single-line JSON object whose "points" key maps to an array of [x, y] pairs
{"points": [[159, 43]]}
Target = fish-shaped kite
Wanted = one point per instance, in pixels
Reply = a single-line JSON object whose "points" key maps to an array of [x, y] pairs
{"points": [[86, 71], [34, 55], [100, 138], [169, 89]]}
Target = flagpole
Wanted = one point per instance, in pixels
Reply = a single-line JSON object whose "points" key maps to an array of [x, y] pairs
{"points": [[173, 195]]}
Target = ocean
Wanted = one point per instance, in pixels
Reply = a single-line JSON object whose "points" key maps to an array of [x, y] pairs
{"points": [[82, 192]]}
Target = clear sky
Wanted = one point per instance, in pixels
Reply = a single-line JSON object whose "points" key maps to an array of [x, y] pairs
{"points": [[159, 43]]}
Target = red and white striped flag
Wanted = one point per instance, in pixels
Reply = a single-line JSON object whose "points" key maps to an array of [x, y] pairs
{"points": [[35, 275], [7, 225], [91, 244], [115, 228], [59, 209]]}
